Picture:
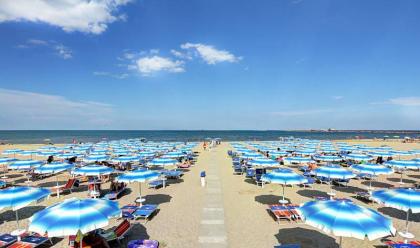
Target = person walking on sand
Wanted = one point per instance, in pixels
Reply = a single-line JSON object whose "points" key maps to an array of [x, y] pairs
{"points": [[205, 145]]}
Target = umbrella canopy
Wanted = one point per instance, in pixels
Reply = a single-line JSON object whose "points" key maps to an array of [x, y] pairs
{"points": [[174, 155], [252, 155], [401, 198], [333, 172], [93, 170], [74, 215], [140, 175], [93, 158], [345, 219], [263, 162], [372, 169], [163, 162], [358, 157], [19, 197], [125, 159], [53, 168], [298, 160], [283, 176], [328, 158], [25, 164], [7, 160], [403, 164]]}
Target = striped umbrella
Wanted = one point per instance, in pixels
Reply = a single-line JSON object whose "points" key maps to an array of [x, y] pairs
{"points": [[146, 154], [345, 219], [12, 152], [174, 155], [358, 157], [74, 216], [400, 198], [25, 164], [93, 170], [54, 168], [125, 159], [140, 176], [327, 158], [263, 162], [372, 169], [333, 172], [94, 158], [163, 162], [251, 155], [20, 197], [284, 177], [278, 153], [298, 160], [402, 165], [4, 162]]}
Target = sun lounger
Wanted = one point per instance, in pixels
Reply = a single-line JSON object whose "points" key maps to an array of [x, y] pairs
{"points": [[250, 173], [29, 242], [69, 186], [325, 180], [7, 239], [156, 183], [143, 243], [118, 233], [175, 174], [128, 210], [364, 195], [3, 184], [401, 244], [341, 182], [145, 211], [113, 195], [310, 181], [184, 166], [237, 169], [288, 246], [286, 212]]}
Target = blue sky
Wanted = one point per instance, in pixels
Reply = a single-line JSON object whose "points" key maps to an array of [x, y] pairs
{"points": [[163, 64]]}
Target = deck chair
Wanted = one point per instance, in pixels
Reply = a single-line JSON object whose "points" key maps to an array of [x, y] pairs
{"points": [[69, 186], [7, 239], [175, 174], [280, 212], [113, 195], [29, 242], [156, 183], [117, 233], [237, 170], [309, 182], [145, 211], [250, 173], [288, 246], [325, 180], [364, 195], [401, 244], [342, 182], [143, 243]]}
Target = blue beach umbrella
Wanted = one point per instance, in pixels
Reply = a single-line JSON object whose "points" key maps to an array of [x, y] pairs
{"points": [[263, 162], [359, 157], [73, 216], [252, 155], [278, 153], [298, 160], [333, 172], [140, 176], [174, 155], [284, 177], [372, 169], [12, 152], [94, 158], [345, 219], [125, 159], [93, 170], [25, 164], [402, 165], [20, 197], [163, 162], [4, 162], [400, 198], [53, 168], [327, 158]]}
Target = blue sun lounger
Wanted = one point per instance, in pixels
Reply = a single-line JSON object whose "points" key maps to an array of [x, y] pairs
{"points": [[288, 246], [156, 183], [113, 195], [32, 241], [7, 239], [172, 173], [145, 211]]}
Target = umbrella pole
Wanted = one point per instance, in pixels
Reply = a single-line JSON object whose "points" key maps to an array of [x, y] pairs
{"points": [[283, 192], [58, 190], [406, 221], [341, 241], [17, 218], [401, 182]]}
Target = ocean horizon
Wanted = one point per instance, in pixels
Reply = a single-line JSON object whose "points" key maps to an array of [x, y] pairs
{"points": [[69, 136]]}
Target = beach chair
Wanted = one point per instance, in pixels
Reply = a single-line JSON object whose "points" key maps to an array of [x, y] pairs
{"points": [[69, 186], [117, 233], [309, 183], [6, 240], [237, 169], [29, 242], [364, 195], [341, 182], [288, 246], [250, 173], [143, 243], [293, 210], [280, 212], [128, 210], [3, 184], [113, 195], [401, 244], [174, 174], [184, 166], [324, 180], [156, 183], [145, 211]]}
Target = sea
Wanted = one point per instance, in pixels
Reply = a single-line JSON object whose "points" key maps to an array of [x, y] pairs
{"points": [[70, 136]]}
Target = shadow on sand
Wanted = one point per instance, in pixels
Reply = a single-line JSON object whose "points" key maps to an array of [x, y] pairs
{"points": [[311, 193], [269, 199], [398, 179], [399, 214], [23, 213], [377, 184], [157, 198], [305, 237]]}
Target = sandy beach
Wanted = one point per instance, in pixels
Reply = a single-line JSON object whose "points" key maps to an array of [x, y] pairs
{"points": [[187, 217]]}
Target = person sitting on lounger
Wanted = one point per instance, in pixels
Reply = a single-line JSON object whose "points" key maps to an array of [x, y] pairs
{"points": [[93, 240], [312, 166]]}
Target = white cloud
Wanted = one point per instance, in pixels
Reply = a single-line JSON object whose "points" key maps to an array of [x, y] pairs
{"points": [[59, 49], [337, 97], [71, 15], [29, 110], [180, 55], [152, 64], [63, 51], [405, 101], [210, 54]]}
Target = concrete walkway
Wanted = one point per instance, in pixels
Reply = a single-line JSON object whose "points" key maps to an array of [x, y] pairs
{"points": [[213, 230]]}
